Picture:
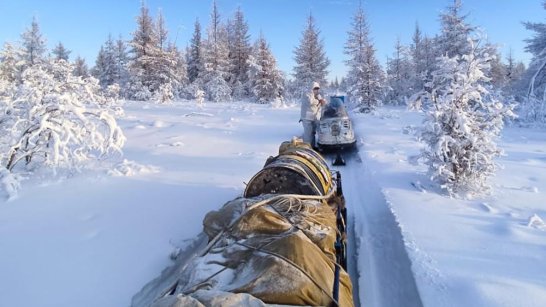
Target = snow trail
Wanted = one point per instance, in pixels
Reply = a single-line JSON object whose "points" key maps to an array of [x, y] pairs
{"points": [[378, 262]]}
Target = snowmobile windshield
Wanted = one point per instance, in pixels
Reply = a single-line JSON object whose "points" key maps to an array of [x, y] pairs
{"points": [[334, 109]]}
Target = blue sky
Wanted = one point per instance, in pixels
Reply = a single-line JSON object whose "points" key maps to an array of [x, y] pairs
{"points": [[83, 26]]}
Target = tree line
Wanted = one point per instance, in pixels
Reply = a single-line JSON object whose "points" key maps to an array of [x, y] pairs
{"points": [[59, 112]]}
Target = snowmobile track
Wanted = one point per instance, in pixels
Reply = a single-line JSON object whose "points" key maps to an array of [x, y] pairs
{"points": [[378, 263]]}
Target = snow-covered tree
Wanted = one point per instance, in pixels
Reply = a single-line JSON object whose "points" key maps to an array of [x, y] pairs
{"points": [[105, 69], [399, 75], [311, 61], [34, 45], [266, 81], [514, 75], [497, 69], [56, 119], [239, 51], [164, 68], [216, 61], [162, 32], [121, 60], [365, 79], [218, 89], [60, 52], [453, 41], [533, 102], [11, 63], [80, 68], [152, 66], [144, 46], [430, 53], [195, 55], [461, 127], [180, 70], [422, 60]]}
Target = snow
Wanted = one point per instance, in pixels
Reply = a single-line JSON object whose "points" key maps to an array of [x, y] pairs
{"points": [[481, 252], [95, 238]]}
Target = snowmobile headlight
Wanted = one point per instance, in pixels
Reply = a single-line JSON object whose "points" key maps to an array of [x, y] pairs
{"points": [[336, 129]]}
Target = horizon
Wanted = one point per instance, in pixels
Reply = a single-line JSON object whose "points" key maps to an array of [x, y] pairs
{"points": [[333, 19]]}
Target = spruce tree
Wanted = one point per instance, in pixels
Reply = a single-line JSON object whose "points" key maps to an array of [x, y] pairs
{"points": [[121, 60], [195, 54], [216, 59], [533, 85], [80, 68], [311, 61], [239, 51], [461, 128], [365, 78], [454, 39], [399, 75], [34, 45], [418, 60], [60, 52], [266, 81], [106, 70]]}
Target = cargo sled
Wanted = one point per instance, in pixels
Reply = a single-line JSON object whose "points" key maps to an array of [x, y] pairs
{"points": [[281, 243]]}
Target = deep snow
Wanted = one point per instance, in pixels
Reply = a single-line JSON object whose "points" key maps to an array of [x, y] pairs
{"points": [[480, 252], [97, 237]]}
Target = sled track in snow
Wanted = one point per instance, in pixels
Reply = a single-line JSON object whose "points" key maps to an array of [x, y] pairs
{"points": [[377, 259]]}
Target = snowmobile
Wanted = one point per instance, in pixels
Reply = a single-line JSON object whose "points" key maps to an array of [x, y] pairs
{"points": [[335, 131], [281, 243]]}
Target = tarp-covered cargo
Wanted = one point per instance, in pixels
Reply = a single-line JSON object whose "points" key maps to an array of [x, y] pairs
{"points": [[266, 249]]}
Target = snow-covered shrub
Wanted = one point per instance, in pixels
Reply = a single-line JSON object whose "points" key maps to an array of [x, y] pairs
{"points": [[462, 125], [199, 96], [164, 94], [112, 92], [137, 90], [9, 182], [56, 119], [218, 89]]}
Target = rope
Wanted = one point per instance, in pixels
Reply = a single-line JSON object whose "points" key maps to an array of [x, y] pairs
{"points": [[298, 196], [294, 265]]}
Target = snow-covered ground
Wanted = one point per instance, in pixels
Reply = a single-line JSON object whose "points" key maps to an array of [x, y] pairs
{"points": [[96, 238], [483, 252]]}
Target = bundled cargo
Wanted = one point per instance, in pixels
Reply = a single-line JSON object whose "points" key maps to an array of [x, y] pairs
{"points": [[282, 243]]}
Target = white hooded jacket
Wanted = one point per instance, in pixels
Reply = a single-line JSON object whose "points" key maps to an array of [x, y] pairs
{"points": [[310, 107]]}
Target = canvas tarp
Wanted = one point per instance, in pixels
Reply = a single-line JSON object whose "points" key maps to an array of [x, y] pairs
{"points": [[280, 252]]}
